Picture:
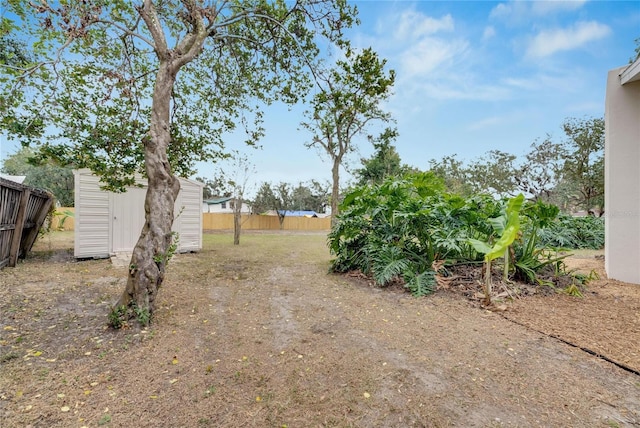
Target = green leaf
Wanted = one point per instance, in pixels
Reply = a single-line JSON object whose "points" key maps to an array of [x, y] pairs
{"points": [[511, 230], [480, 246]]}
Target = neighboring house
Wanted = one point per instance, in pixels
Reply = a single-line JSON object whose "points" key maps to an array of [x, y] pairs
{"points": [[223, 205], [622, 175]]}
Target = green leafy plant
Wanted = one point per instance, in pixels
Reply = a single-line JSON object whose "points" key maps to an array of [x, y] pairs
{"points": [[507, 227], [64, 216], [105, 419], [118, 317], [574, 233], [142, 315], [395, 230], [163, 258], [530, 256]]}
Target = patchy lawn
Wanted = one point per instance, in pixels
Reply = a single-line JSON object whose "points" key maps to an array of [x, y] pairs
{"points": [[259, 335]]}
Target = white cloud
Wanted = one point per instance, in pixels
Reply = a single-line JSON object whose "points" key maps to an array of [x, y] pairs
{"points": [[547, 7], [432, 61], [413, 25], [456, 87], [520, 9], [548, 42], [509, 10], [431, 54], [488, 122], [554, 81], [488, 33]]}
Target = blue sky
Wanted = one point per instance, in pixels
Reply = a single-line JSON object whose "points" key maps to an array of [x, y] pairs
{"points": [[471, 76]]}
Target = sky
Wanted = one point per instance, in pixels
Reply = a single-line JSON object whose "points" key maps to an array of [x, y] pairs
{"points": [[471, 76]]}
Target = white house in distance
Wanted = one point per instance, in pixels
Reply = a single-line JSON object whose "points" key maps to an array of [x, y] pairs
{"points": [[223, 205], [622, 174]]}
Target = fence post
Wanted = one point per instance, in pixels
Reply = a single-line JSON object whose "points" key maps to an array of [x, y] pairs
{"points": [[17, 232], [30, 239]]}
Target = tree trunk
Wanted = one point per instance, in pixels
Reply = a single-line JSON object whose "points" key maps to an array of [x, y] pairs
{"points": [[335, 189], [151, 253], [237, 217]]}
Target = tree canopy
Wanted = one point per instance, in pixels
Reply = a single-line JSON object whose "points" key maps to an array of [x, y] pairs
{"points": [[56, 179], [152, 87], [385, 161], [568, 173], [348, 100], [103, 62]]}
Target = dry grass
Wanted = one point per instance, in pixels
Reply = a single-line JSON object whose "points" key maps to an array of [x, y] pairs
{"points": [[259, 335]]}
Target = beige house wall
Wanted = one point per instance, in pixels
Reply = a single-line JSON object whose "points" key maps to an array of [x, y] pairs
{"points": [[622, 175]]}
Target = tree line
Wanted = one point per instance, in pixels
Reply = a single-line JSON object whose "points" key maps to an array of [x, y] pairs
{"points": [[568, 173]]}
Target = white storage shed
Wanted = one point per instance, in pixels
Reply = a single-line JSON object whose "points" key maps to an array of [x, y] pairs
{"points": [[107, 223]]}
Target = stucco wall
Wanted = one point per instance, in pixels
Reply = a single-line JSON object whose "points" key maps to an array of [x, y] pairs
{"points": [[622, 179]]}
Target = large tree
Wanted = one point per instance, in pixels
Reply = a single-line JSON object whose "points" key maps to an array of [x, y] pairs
{"points": [[278, 198], [264, 199], [234, 182], [538, 176], [348, 99], [584, 161], [384, 162], [46, 175], [312, 196], [152, 86], [453, 173], [493, 173]]}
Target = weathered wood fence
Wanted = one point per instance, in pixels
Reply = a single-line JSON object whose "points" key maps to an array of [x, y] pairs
{"points": [[64, 220], [23, 209], [219, 221]]}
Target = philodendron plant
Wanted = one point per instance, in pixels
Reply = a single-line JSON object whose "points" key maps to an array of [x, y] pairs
{"points": [[506, 227]]}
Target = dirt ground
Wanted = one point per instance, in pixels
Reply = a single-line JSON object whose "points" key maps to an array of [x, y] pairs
{"points": [[260, 335]]}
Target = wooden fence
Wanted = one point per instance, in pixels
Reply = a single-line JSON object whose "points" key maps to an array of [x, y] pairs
{"points": [[23, 210], [217, 221], [63, 219]]}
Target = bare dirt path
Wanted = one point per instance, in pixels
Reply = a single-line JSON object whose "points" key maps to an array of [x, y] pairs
{"points": [[259, 335]]}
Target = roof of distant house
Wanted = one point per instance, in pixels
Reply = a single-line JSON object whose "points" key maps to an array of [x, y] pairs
{"points": [[15, 178], [215, 201]]}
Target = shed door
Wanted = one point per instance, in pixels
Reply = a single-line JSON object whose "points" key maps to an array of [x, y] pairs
{"points": [[128, 219]]}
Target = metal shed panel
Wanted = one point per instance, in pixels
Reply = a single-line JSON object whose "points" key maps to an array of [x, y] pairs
{"points": [[127, 218], [188, 221], [107, 222], [92, 226]]}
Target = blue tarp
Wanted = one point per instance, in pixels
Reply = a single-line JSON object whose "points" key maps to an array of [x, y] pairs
{"points": [[291, 213]]}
